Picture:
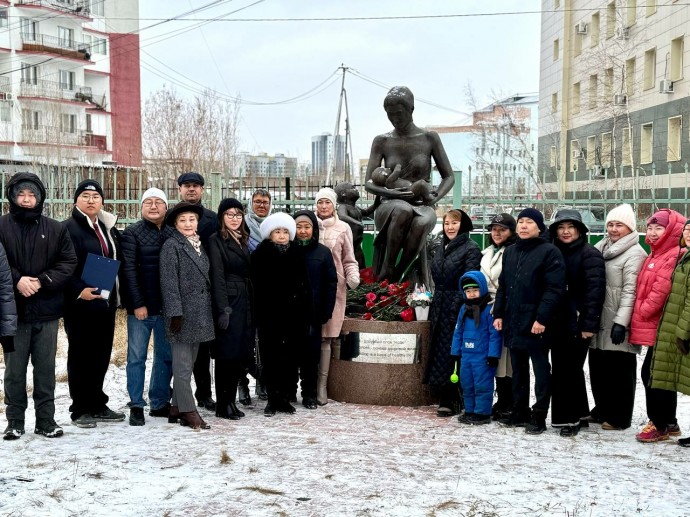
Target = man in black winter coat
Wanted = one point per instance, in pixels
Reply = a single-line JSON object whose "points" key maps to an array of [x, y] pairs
{"points": [[323, 284], [42, 259], [529, 288], [191, 186], [141, 295]]}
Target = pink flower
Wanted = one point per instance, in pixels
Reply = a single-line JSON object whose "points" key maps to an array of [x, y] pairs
{"points": [[371, 297], [367, 316]]}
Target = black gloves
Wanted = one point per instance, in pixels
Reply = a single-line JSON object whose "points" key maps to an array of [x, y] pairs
{"points": [[7, 343], [223, 321], [617, 334], [492, 362], [683, 345], [175, 324]]}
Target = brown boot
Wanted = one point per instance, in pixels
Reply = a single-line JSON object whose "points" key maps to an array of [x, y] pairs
{"points": [[193, 419], [174, 415]]}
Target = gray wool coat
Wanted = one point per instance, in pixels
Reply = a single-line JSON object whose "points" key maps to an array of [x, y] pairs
{"points": [[186, 290]]}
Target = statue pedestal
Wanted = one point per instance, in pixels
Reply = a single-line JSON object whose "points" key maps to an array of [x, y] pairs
{"points": [[383, 383]]}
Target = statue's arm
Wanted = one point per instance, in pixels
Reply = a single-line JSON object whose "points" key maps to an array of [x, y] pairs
{"points": [[438, 153], [344, 215], [366, 212]]}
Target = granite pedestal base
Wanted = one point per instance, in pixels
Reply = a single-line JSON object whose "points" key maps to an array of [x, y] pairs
{"points": [[382, 384]]}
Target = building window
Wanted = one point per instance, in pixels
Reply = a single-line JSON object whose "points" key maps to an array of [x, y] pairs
{"points": [[97, 7], [28, 28], [5, 112], [554, 102], [556, 49], [677, 59], [575, 153], [675, 128], [3, 17], [31, 119], [96, 45], [66, 37], [630, 76], [591, 151], [576, 98], [89, 127], [610, 20], [608, 84], [649, 68], [68, 123], [595, 26], [593, 90], [631, 14], [29, 73], [66, 80], [650, 8], [626, 158], [605, 158], [646, 141]]}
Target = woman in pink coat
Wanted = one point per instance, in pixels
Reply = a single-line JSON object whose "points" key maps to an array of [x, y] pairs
{"points": [[336, 236], [664, 230]]}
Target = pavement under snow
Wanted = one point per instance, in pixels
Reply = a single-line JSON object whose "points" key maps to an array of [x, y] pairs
{"points": [[340, 459]]}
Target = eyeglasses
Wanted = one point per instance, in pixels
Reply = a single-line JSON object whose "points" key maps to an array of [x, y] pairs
{"points": [[92, 197], [233, 216], [149, 204], [262, 203]]}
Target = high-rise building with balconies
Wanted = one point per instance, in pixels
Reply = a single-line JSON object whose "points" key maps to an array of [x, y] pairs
{"points": [[70, 83]]}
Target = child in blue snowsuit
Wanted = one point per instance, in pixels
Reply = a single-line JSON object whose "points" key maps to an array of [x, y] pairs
{"points": [[478, 346]]}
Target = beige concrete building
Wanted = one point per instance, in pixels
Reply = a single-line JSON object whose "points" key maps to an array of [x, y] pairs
{"points": [[614, 92]]}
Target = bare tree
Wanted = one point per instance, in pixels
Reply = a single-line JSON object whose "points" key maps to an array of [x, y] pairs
{"points": [[189, 134]]}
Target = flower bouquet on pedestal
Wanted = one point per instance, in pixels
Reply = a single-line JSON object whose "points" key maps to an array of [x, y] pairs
{"points": [[383, 301], [420, 300]]}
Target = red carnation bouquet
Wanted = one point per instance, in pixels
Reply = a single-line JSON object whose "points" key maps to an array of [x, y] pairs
{"points": [[383, 301]]}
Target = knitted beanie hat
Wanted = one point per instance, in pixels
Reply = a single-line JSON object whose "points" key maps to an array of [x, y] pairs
{"points": [[26, 185], [155, 192], [275, 221], [623, 214], [535, 215], [88, 185], [326, 193]]}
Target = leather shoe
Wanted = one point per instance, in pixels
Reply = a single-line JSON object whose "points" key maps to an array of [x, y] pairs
{"points": [[243, 395], [207, 403], [234, 410]]}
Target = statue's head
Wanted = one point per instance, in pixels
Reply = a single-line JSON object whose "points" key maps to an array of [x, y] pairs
{"points": [[346, 193], [399, 95]]}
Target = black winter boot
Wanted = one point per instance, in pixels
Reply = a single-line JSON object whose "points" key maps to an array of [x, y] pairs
{"points": [[504, 392], [537, 424]]}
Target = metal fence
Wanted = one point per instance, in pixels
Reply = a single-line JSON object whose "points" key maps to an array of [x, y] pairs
{"points": [[645, 190]]}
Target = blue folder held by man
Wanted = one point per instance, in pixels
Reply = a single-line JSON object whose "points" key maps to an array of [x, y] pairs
{"points": [[100, 272]]}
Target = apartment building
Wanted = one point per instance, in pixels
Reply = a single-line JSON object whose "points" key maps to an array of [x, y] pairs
{"points": [[614, 85], [69, 83]]}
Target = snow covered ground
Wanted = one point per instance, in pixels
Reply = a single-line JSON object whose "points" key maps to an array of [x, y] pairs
{"points": [[341, 459]]}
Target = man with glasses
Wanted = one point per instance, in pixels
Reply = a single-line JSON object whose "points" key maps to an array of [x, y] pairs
{"points": [[141, 247], [192, 190], [41, 257], [257, 211]]}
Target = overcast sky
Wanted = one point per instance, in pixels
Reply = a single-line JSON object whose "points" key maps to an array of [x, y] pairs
{"points": [[271, 61]]}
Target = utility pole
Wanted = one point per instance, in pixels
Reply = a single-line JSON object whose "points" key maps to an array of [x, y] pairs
{"points": [[348, 140]]}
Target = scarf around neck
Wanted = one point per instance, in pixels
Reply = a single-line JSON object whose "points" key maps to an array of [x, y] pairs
{"points": [[195, 241]]}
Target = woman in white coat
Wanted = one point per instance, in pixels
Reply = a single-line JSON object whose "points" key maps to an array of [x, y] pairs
{"points": [[612, 360], [336, 236], [501, 235]]}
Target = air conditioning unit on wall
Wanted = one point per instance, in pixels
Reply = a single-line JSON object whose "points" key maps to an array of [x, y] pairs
{"points": [[666, 86], [622, 32], [581, 28], [620, 99]]}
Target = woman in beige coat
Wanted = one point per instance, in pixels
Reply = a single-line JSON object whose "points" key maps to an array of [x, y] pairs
{"points": [[336, 236]]}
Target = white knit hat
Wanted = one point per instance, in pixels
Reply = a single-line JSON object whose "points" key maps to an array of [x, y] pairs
{"points": [[326, 193], [623, 214], [155, 192], [275, 221]]}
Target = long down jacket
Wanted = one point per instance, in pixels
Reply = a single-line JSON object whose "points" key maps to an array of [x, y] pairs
{"points": [[585, 276], [671, 369], [530, 286], [337, 236], [449, 264], [186, 290], [231, 289], [8, 309], [654, 282], [623, 260]]}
